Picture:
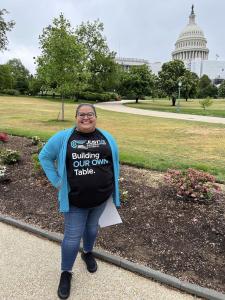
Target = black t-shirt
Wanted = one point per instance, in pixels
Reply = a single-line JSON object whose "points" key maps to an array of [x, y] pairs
{"points": [[89, 169]]}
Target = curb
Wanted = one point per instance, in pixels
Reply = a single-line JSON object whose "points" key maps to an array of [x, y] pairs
{"points": [[123, 263]]}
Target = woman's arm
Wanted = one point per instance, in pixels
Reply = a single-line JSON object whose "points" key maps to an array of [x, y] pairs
{"points": [[48, 158]]}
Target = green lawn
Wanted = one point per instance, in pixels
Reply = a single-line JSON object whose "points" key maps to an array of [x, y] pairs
{"points": [[191, 106], [149, 142]]}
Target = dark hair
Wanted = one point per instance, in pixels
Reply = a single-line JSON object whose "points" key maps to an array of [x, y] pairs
{"points": [[85, 104]]}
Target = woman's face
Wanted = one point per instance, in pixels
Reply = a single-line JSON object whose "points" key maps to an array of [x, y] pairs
{"points": [[86, 119]]}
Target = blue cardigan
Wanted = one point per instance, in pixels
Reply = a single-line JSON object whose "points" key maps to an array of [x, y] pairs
{"points": [[53, 161]]}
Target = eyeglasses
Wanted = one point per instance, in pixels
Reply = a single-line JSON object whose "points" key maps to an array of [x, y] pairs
{"points": [[89, 115]]}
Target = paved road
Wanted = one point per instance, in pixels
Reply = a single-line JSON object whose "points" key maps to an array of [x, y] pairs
{"points": [[119, 107], [30, 270]]}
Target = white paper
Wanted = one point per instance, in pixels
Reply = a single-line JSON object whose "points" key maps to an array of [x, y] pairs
{"points": [[110, 215]]}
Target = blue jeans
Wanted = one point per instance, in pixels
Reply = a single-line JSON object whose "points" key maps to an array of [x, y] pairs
{"points": [[79, 223]]}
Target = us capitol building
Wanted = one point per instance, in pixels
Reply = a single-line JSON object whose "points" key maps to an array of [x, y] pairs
{"points": [[191, 44], [191, 48]]}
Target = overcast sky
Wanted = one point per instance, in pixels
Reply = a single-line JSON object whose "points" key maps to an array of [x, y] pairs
{"points": [[145, 29]]}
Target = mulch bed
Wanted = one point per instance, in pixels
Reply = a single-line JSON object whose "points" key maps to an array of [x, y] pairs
{"points": [[179, 238]]}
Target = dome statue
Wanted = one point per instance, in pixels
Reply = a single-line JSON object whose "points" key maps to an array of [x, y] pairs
{"points": [[191, 43]]}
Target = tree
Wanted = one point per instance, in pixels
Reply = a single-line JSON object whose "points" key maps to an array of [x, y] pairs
{"points": [[34, 85], [206, 88], [138, 82], [101, 63], [6, 79], [206, 102], [170, 75], [4, 27], [221, 90], [19, 74], [62, 62], [157, 91], [189, 84]]}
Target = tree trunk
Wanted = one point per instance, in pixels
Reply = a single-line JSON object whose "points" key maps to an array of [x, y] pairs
{"points": [[62, 115], [137, 99], [174, 101]]}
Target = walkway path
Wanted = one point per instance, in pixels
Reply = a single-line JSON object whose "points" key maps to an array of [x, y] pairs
{"points": [[119, 107], [30, 271]]}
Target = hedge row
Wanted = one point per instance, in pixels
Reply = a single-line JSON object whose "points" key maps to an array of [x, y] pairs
{"points": [[12, 92], [101, 97], [91, 96]]}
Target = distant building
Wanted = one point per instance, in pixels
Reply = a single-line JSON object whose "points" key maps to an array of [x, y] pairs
{"points": [[126, 63], [191, 43], [215, 69], [190, 47]]}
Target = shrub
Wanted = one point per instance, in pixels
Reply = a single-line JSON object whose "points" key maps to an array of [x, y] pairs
{"points": [[2, 173], [37, 165], [192, 184], [4, 178], [206, 102], [124, 196], [40, 146], [123, 193], [4, 137], [9, 156], [35, 140], [11, 92], [101, 97]]}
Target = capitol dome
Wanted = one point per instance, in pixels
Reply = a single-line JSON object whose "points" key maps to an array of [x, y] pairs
{"points": [[191, 43]]}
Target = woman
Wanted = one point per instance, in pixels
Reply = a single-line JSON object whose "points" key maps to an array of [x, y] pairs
{"points": [[83, 164]]}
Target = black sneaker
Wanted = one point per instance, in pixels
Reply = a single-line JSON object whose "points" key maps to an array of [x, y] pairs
{"points": [[64, 285], [90, 261]]}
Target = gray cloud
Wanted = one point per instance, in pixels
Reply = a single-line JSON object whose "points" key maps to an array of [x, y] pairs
{"points": [[143, 29]]}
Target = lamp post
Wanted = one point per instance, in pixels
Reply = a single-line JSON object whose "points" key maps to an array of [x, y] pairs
{"points": [[179, 87]]}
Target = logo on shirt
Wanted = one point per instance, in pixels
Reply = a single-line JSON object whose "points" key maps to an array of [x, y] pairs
{"points": [[86, 144], [95, 143], [78, 144]]}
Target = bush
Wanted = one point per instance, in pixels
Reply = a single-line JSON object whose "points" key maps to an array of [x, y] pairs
{"points": [[37, 165], [192, 185], [9, 157], [11, 92], [123, 193], [4, 137], [101, 97], [124, 196], [35, 140], [206, 102], [2, 173]]}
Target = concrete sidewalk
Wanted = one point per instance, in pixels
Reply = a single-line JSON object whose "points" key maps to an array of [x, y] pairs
{"points": [[30, 270], [119, 107]]}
